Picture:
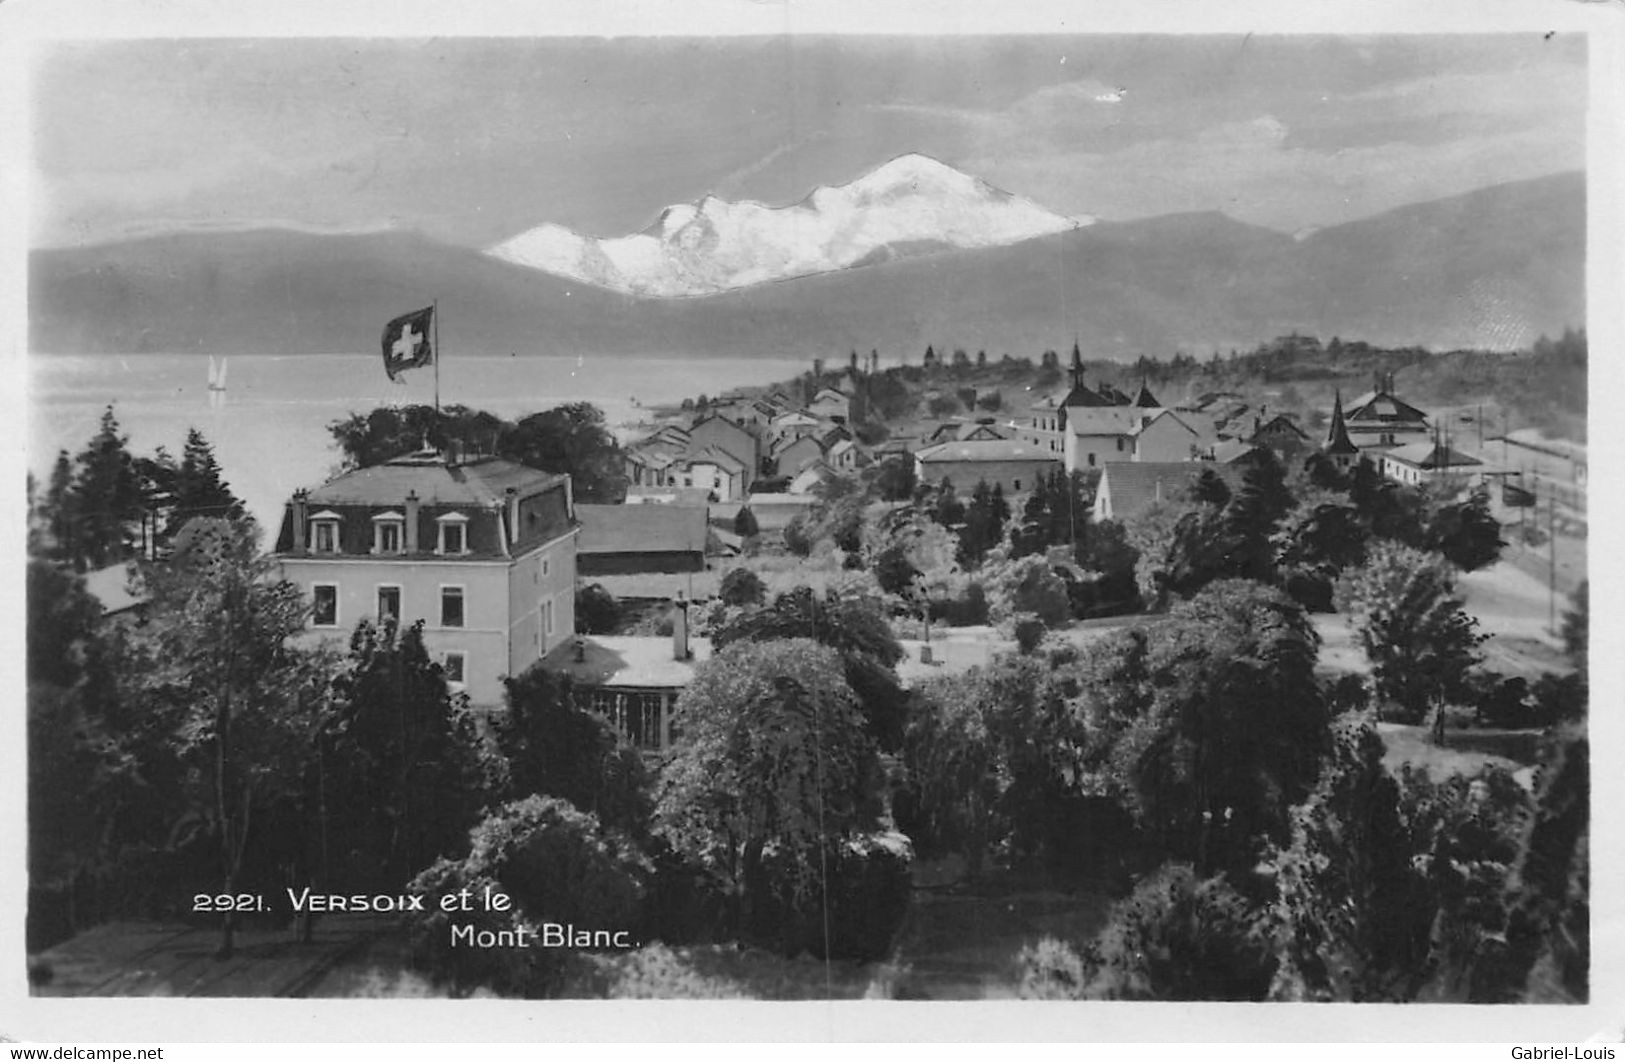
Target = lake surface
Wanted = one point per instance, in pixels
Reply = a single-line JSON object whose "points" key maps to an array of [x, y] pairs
{"points": [[270, 430]]}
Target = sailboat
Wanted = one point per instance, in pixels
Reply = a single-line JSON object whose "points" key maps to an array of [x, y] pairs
{"points": [[217, 381]]}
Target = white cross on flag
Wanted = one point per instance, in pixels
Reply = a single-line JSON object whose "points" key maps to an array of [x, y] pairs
{"points": [[406, 342]]}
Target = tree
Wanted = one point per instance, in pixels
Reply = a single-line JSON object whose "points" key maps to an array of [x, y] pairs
{"points": [[553, 746], [984, 523], [575, 439], [1349, 918], [106, 498], [989, 752], [745, 522], [742, 587], [1027, 586], [1419, 639], [198, 488], [774, 765], [852, 626], [1465, 533], [1180, 937], [895, 478], [219, 659], [597, 611], [946, 509], [401, 756], [1208, 723]]}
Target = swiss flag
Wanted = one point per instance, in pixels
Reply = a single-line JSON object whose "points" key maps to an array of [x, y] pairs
{"points": [[406, 342]]}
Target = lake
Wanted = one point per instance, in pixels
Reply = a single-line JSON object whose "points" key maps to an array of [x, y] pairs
{"points": [[270, 431]]}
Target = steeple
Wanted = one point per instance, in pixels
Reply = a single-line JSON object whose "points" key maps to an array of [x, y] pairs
{"points": [[1077, 366], [1337, 437], [1145, 399]]}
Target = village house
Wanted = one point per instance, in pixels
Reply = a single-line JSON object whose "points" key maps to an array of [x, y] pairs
{"points": [[635, 682], [693, 496], [794, 425], [1013, 464], [1427, 462], [1095, 437], [1379, 419], [1282, 436], [831, 404], [796, 453], [1127, 487], [962, 430], [626, 539], [720, 433], [483, 551], [715, 471]]}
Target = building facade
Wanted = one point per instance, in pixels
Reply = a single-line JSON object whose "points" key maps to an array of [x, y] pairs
{"points": [[1012, 464], [482, 551]]}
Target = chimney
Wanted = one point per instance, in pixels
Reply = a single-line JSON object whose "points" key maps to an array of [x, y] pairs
{"points": [[513, 515], [300, 499], [411, 521], [581, 649], [679, 628]]}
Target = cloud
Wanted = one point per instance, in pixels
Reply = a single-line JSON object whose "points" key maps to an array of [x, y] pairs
{"points": [[1251, 171]]}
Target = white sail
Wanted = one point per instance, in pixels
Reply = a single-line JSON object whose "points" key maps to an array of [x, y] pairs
{"points": [[214, 373], [224, 363]]}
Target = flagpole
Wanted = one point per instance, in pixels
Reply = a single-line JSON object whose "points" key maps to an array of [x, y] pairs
{"points": [[435, 309]]}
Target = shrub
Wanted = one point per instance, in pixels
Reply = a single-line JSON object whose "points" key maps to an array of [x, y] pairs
{"points": [[1027, 585], [557, 865], [1178, 937], [741, 586], [1029, 632], [597, 611], [1051, 970], [1419, 639], [864, 897], [657, 972], [795, 537]]}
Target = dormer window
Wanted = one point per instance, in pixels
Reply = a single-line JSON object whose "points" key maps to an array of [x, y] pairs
{"points": [[324, 532], [453, 534], [388, 533]]}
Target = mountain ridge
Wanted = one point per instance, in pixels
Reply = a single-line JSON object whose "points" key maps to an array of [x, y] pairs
{"points": [[1491, 268], [714, 245]]}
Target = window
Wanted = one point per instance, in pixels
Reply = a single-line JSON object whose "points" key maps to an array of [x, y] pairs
{"points": [[547, 616], [325, 605], [324, 536], [389, 603], [451, 606], [387, 532], [547, 566], [1016, 483], [456, 666], [1119, 445], [1091, 459], [453, 533]]}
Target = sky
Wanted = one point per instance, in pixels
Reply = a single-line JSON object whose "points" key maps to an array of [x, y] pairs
{"points": [[473, 140]]}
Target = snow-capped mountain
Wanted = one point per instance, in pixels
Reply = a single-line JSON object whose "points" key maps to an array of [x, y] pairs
{"points": [[911, 205]]}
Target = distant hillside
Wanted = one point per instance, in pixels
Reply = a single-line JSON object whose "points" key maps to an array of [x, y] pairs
{"points": [[1494, 267]]}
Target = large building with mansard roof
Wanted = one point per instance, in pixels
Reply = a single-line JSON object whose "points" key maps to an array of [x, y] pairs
{"points": [[482, 550]]}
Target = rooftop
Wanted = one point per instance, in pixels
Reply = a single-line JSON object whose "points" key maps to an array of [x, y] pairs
{"points": [[1135, 484], [628, 662], [479, 482], [985, 450], [111, 587], [640, 529], [1430, 455]]}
